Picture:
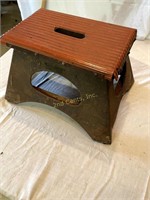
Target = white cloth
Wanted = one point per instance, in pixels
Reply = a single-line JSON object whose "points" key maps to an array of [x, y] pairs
{"points": [[132, 13], [45, 155]]}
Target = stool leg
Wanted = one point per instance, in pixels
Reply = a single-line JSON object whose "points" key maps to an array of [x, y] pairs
{"points": [[95, 113], [114, 99], [129, 80]]}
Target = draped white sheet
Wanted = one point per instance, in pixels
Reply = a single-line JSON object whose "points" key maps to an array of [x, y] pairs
{"points": [[45, 155], [132, 13]]}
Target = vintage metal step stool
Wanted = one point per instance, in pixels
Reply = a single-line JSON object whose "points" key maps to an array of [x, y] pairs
{"points": [[77, 65]]}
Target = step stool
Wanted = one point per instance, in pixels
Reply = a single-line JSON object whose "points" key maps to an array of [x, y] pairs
{"points": [[80, 66]]}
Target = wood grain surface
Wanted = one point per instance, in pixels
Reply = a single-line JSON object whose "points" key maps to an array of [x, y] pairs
{"points": [[102, 49]]}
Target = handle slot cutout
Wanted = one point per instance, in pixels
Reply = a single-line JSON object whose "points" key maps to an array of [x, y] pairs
{"points": [[69, 33]]}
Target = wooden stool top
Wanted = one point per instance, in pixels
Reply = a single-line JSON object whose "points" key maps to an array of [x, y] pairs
{"points": [[89, 44]]}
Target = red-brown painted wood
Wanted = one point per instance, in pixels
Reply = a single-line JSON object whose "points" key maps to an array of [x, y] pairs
{"points": [[102, 50]]}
